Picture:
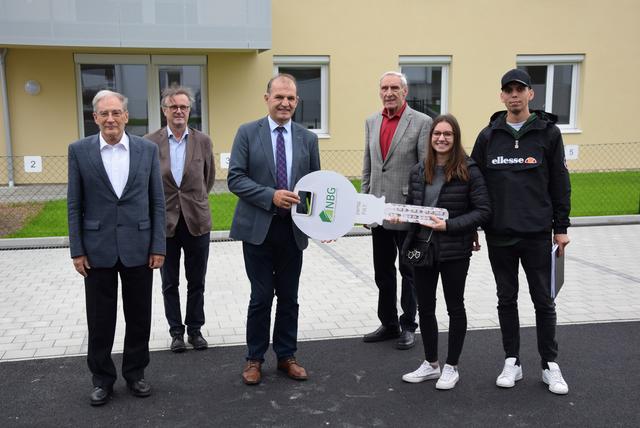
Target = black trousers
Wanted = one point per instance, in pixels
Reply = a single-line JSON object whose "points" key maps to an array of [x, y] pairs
{"points": [[101, 292], [273, 268], [386, 247], [535, 256], [454, 276], [196, 255]]}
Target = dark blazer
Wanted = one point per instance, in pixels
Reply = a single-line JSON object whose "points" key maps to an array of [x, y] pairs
{"points": [[105, 228], [468, 204], [192, 197], [252, 177]]}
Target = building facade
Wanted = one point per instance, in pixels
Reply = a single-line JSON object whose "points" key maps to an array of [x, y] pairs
{"points": [[56, 54]]}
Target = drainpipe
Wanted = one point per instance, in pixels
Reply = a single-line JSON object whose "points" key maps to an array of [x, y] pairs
{"points": [[5, 117]]}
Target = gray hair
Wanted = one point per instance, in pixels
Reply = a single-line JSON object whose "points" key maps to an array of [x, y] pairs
{"points": [[402, 77], [107, 93], [174, 90]]}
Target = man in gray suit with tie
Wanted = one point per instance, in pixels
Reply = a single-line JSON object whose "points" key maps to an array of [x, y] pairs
{"points": [[268, 157], [116, 219], [395, 140]]}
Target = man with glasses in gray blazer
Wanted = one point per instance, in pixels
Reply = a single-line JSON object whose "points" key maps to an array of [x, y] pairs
{"points": [[395, 141]]}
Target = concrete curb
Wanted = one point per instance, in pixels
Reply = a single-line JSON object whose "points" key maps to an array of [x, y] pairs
{"points": [[223, 235]]}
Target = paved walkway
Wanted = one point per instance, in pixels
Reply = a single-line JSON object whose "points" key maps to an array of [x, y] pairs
{"points": [[42, 298]]}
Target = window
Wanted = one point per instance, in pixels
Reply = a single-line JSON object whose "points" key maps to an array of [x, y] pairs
{"points": [[141, 78], [428, 79], [554, 79], [312, 75]]}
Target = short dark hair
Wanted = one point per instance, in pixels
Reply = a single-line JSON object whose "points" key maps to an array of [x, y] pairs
{"points": [[281, 76]]}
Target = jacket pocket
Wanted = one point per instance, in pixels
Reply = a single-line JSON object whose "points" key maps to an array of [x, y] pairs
{"points": [[144, 225], [91, 224]]}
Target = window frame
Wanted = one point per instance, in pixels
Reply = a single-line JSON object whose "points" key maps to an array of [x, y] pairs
{"points": [[316, 61], [575, 61], [153, 63], [443, 61]]}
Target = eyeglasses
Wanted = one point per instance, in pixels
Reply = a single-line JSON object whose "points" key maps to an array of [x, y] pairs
{"points": [[445, 134], [174, 108], [114, 113]]}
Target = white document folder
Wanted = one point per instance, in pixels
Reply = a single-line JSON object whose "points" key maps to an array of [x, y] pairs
{"points": [[557, 271]]}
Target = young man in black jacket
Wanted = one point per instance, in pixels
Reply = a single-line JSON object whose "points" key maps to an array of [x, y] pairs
{"points": [[521, 155]]}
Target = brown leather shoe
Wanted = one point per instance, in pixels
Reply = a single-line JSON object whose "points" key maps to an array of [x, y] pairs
{"points": [[291, 367], [252, 374]]}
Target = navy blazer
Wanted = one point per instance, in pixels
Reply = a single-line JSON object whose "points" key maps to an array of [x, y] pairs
{"points": [[106, 228], [252, 177]]}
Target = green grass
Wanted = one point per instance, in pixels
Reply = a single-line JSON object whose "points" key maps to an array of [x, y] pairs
{"points": [[605, 193], [51, 221], [222, 208], [593, 194]]}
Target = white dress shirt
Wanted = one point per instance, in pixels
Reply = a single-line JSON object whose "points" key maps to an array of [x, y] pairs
{"points": [[288, 145], [116, 162]]}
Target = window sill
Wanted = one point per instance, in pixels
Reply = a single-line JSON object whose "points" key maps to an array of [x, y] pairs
{"points": [[321, 135], [571, 130]]}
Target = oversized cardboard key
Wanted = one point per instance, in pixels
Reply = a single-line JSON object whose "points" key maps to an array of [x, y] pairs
{"points": [[330, 206]]}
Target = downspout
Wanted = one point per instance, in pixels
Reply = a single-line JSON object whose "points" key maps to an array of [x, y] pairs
{"points": [[5, 117]]}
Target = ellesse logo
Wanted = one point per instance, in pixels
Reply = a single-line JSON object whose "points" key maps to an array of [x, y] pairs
{"points": [[501, 160]]}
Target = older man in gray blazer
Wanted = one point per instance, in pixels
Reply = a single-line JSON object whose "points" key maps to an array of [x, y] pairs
{"points": [[268, 157], [395, 140], [116, 227]]}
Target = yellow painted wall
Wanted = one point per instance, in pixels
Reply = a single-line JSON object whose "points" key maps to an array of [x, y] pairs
{"points": [[364, 38], [46, 123], [237, 82]]}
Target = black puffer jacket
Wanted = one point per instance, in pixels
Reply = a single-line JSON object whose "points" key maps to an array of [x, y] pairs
{"points": [[468, 205]]}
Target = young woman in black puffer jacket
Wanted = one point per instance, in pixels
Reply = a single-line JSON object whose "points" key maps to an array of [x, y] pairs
{"points": [[447, 179]]}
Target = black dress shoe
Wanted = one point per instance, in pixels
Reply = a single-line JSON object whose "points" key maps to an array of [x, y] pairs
{"points": [[406, 340], [198, 342], [177, 343], [100, 396], [382, 333], [139, 388]]}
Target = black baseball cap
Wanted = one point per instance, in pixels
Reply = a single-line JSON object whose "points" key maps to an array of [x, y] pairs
{"points": [[516, 75]]}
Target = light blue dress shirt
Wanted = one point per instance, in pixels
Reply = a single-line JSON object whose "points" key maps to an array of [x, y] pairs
{"points": [[177, 154], [288, 145]]}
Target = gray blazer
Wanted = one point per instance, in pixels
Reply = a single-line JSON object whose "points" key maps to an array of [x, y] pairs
{"points": [[105, 228], [391, 177], [252, 177]]}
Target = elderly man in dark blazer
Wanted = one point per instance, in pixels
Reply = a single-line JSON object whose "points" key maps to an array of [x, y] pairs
{"points": [[116, 227], [395, 140], [188, 174], [268, 157]]}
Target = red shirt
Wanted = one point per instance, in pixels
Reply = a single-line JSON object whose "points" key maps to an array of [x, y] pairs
{"points": [[388, 128]]}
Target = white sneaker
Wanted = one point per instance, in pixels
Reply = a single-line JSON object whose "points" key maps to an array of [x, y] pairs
{"points": [[510, 374], [553, 377], [424, 372], [449, 377]]}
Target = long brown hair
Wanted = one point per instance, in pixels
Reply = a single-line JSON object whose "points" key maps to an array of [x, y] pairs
{"points": [[456, 166]]}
